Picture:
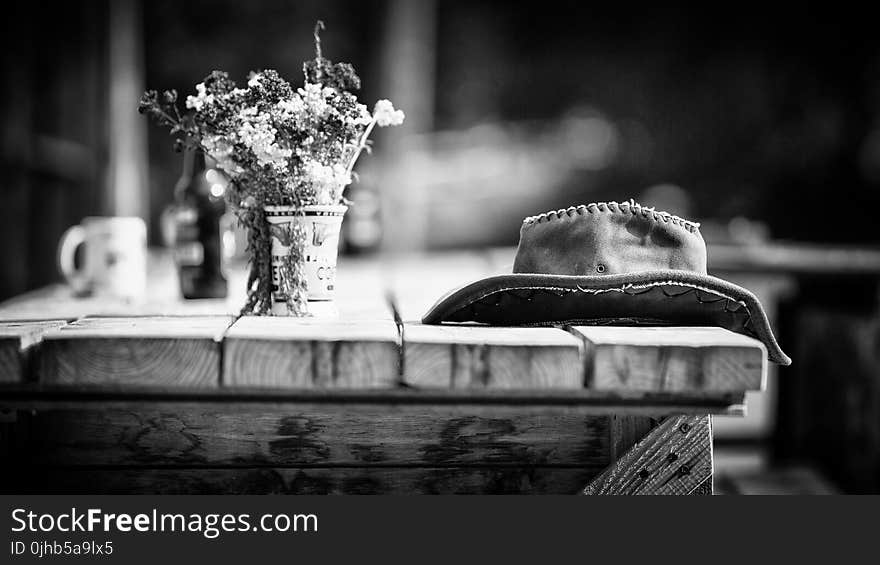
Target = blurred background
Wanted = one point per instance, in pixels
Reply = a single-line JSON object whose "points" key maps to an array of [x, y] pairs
{"points": [[762, 123]]}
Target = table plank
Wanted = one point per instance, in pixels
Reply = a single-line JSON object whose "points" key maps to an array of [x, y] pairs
{"points": [[360, 294], [17, 341], [306, 352], [415, 282], [479, 356], [309, 480], [162, 297], [166, 351], [361, 290], [672, 359], [548, 403], [215, 434]]}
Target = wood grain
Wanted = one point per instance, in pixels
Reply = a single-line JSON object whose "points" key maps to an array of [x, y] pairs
{"points": [[672, 359], [417, 281], [626, 431], [158, 351], [312, 480], [674, 458], [17, 342], [307, 353], [546, 403], [201, 434], [489, 357], [359, 291]]}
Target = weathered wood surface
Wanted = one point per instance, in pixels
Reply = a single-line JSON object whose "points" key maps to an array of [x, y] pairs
{"points": [[416, 282], [277, 353], [672, 359], [17, 342], [478, 356], [307, 353], [548, 403], [674, 458], [253, 434], [166, 351], [362, 290], [291, 480], [162, 298], [359, 289], [192, 404], [759, 422], [625, 431]]}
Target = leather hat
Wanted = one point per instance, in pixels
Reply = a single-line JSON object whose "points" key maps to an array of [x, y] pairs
{"points": [[614, 264]]}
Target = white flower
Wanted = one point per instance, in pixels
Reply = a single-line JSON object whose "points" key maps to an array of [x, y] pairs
{"points": [[258, 135], [291, 108], [364, 118], [246, 114], [385, 114], [328, 181], [314, 97], [202, 97]]}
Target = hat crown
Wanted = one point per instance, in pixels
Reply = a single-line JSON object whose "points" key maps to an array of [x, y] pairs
{"points": [[609, 238]]}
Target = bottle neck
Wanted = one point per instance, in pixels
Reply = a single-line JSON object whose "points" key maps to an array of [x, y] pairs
{"points": [[198, 163], [193, 165]]}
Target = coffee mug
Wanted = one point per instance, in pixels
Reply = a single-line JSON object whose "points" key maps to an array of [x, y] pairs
{"points": [[114, 258]]}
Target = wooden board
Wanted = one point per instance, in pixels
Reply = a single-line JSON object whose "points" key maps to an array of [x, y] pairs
{"points": [[548, 403], [672, 359], [485, 357], [17, 341], [202, 434], [162, 297], [312, 480], [361, 289], [306, 353], [165, 351], [674, 458], [415, 282], [626, 431], [360, 294]]}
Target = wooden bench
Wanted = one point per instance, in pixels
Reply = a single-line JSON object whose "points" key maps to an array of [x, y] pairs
{"points": [[174, 397]]}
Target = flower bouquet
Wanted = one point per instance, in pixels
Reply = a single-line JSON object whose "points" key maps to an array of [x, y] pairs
{"points": [[288, 155]]}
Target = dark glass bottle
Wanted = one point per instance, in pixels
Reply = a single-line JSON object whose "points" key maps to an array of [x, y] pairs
{"points": [[197, 248]]}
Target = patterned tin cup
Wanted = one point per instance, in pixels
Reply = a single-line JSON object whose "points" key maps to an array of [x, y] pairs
{"points": [[322, 226]]}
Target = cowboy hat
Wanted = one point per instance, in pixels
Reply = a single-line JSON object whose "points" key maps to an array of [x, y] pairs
{"points": [[609, 263]]}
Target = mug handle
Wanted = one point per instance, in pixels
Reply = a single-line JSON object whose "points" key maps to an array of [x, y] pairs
{"points": [[72, 238]]}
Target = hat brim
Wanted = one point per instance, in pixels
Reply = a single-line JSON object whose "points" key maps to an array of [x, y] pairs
{"points": [[646, 298]]}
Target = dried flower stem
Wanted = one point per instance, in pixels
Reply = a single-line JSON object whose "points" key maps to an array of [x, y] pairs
{"points": [[259, 284], [293, 277], [319, 27], [362, 144]]}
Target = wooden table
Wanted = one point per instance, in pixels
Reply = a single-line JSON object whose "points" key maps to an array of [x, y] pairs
{"points": [[181, 397]]}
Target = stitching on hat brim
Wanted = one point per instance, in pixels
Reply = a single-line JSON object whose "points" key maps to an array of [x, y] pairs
{"points": [[616, 283]]}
